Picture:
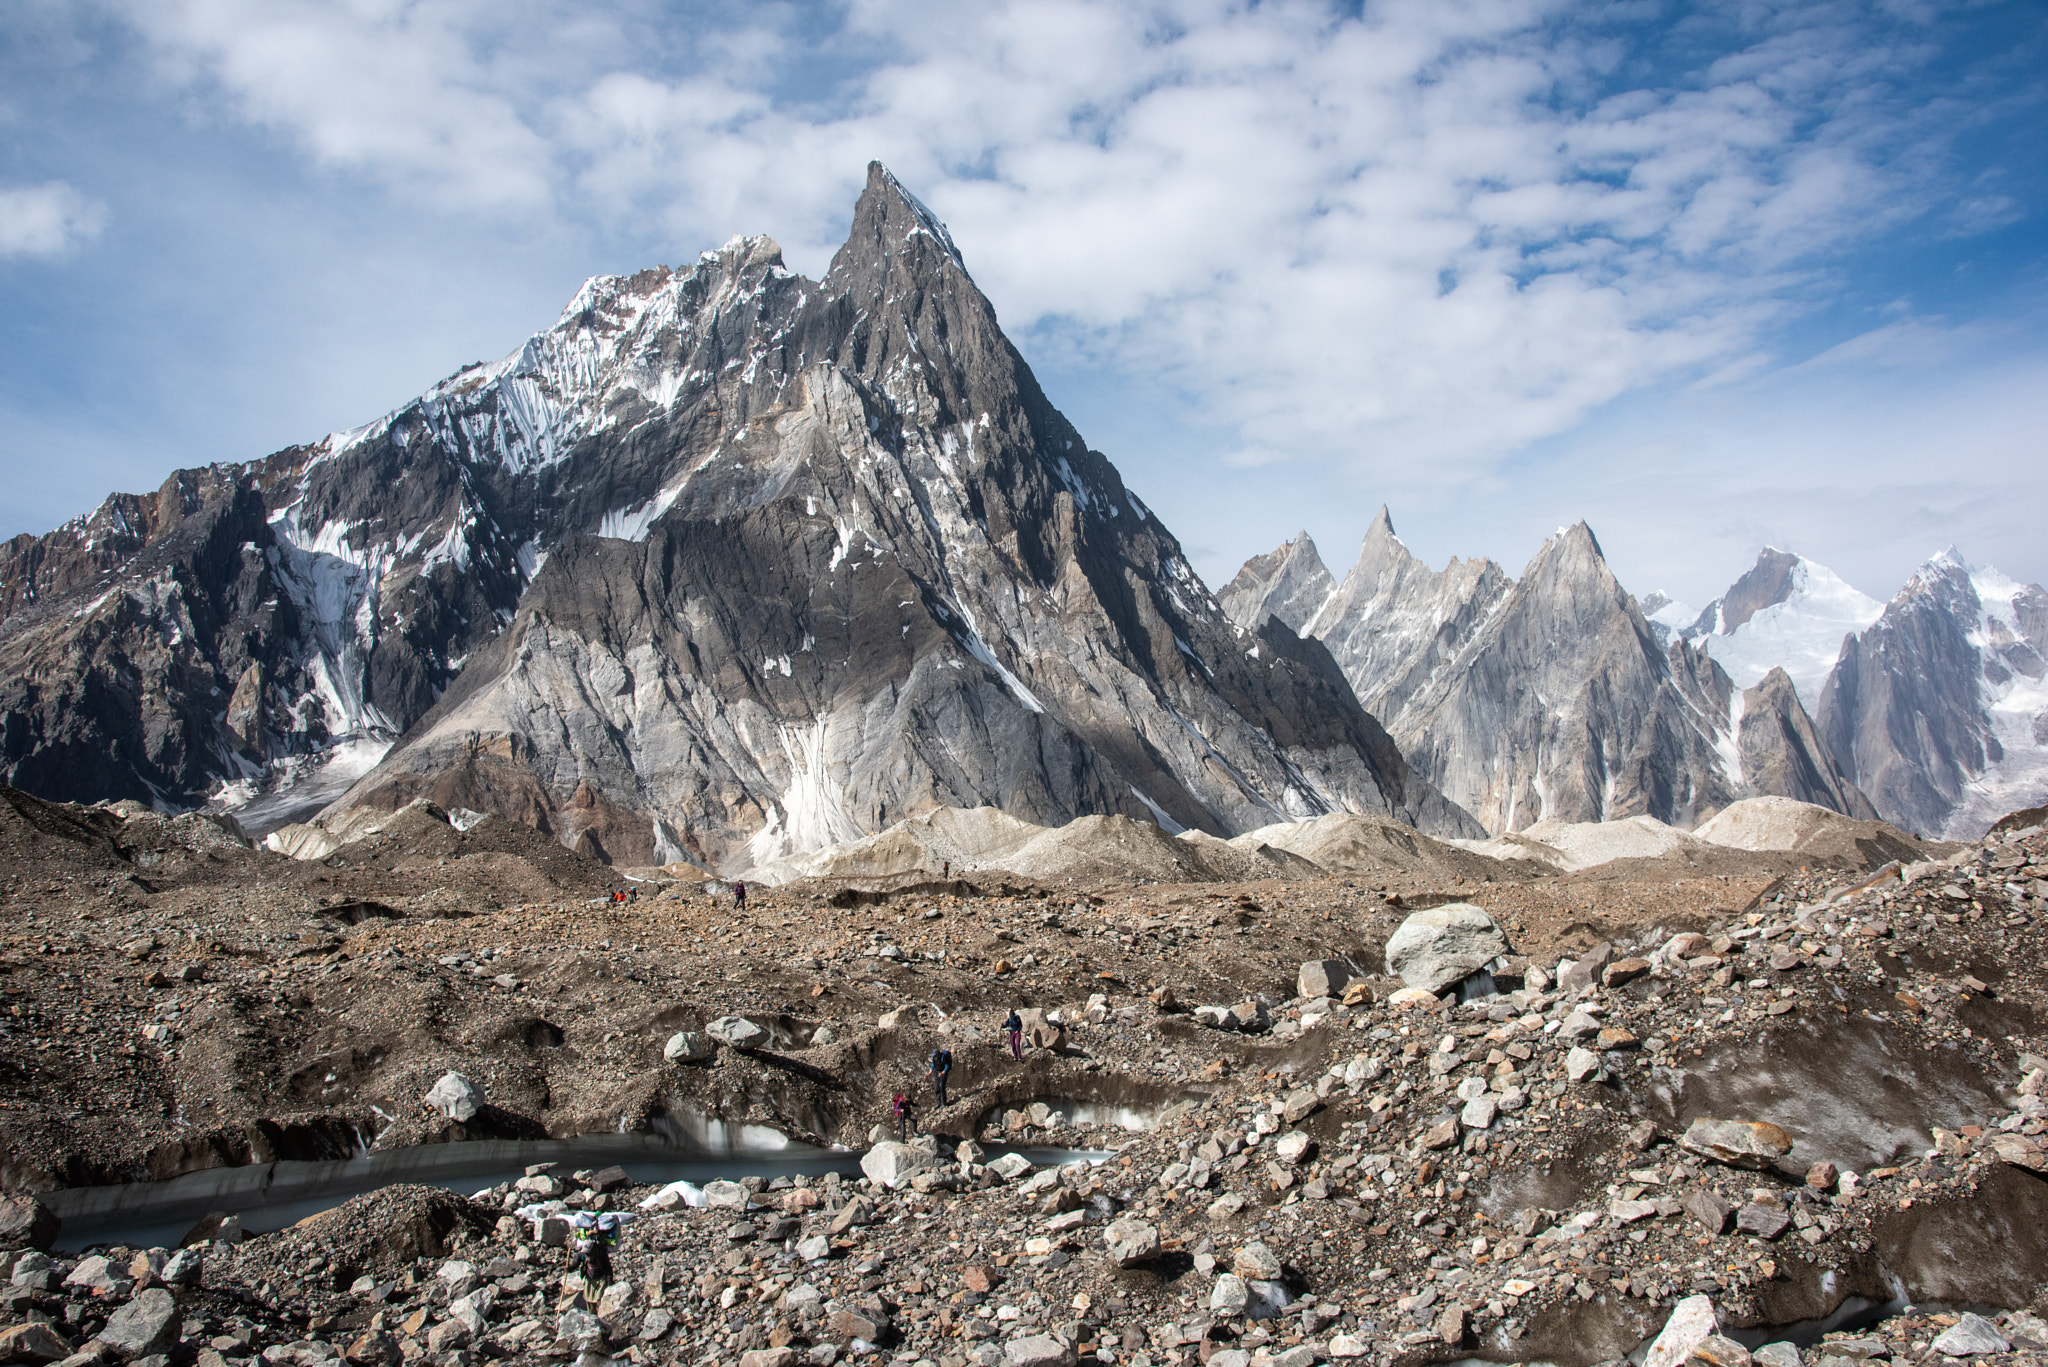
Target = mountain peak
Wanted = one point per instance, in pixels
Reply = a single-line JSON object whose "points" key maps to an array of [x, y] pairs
{"points": [[892, 228], [1765, 584]]}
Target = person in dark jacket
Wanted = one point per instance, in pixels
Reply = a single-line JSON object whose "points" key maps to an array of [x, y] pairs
{"points": [[1015, 1027], [899, 1107], [942, 1068]]}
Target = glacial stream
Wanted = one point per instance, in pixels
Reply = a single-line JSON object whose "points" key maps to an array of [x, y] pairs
{"points": [[270, 1196]]}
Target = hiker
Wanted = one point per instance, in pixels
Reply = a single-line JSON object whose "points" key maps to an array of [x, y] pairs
{"points": [[594, 1255], [900, 1108], [942, 1067], [739, 896], [946, 868], [1015, 1025]]}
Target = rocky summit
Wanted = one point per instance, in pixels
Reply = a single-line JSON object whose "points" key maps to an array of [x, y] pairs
{"points": [[1560, 697], [725, 566]]}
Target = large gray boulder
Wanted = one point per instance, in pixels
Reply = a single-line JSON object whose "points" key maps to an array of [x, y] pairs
{"points": [[26, 1222], [1322, 978], [456, 1097], [738, 1032], [890, 1164], [1738, 1143], [1130, 1241], [1442, 946], [689, 1046], [148, 1324]]}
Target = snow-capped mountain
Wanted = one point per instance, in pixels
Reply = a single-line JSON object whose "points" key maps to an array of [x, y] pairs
{"points": [[727, 564], [1547, 697], [1785, 612], [1939, 710]]}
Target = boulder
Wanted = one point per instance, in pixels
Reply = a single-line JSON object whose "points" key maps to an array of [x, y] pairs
{"points": [[1037, 1350], [33, 1342], [890, 1164], [1624, 971], [456, 1097], [1130, 1241], [1408, 998], [738, 1032], [724, 1195], [1439, 947], [1215, 1017], [1737, 1143], [26, 1222], [1707, 1208], [1970, 1335], [1766, 1222], [1322, 978], [148, 1324], [184, 1267], [1581, 1064], [1586, 971], [689, 1046], [1266, 1299], [1692, 1322], [1716, 1350], [1229, 1296], [1041, 1032], [1256, 1262], [1010, 1166]]}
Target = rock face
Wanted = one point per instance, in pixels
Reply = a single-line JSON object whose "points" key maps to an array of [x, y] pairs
{"points": [[726, 565], [1782, 754], [1391, 624], [1940, 710], [1547, 698]]}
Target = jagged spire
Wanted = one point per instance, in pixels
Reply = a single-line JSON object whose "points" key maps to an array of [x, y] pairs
{"points": [[892, 231]]}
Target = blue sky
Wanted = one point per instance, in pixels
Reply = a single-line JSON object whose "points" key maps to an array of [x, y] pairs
{"points": [[1707, 277]]}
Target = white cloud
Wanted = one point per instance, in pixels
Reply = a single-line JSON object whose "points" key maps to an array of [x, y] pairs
{"points": [[47, 220], [424, 94]]}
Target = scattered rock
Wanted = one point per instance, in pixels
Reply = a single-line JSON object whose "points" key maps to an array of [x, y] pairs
{"points": [[1691, 1323], [1971, 1335], [1738, 1143], [689, 1046], [26, 1222], [1322, 978], [737, 1032]]}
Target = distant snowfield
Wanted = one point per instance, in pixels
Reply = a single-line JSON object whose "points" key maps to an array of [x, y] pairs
{"points": [[1803, 635]]}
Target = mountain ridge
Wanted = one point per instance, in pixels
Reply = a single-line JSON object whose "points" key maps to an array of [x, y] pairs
{"points": [[749, 468]]}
